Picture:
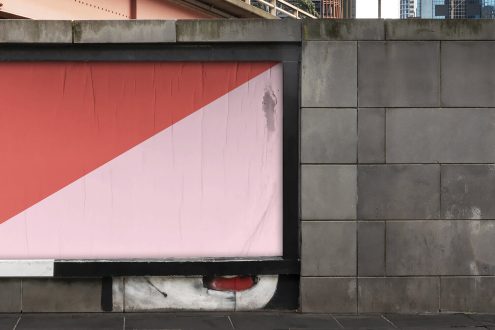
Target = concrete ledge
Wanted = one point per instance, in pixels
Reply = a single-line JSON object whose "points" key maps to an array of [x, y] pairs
{"points": [[440, 29], [31, 31], [241, 30], [245, 30], [328, 29], [125, 31]]}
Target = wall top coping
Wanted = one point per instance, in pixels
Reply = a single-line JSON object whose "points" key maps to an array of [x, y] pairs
{"points": [[240, 30]]}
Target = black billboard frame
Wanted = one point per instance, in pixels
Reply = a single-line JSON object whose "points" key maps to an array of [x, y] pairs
{"points": [[289, 55]]}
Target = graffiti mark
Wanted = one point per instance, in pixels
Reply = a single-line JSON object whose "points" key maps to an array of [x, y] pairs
{"points": [[269, 103], [191, 293], [156, 288]]}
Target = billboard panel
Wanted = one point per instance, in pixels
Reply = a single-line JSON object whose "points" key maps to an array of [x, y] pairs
{"points": [[145, 160]]}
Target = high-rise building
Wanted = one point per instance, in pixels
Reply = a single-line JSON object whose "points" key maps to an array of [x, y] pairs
{"points": [[349, 8], [488, 9], [408, 8], [456, 9]]}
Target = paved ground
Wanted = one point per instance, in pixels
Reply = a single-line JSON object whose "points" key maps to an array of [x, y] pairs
{"points": [[242, 321]]}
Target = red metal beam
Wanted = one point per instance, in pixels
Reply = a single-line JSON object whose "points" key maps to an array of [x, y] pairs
{"points": [[133, 11]]}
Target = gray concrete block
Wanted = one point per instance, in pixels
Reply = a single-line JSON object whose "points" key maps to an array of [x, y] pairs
{"points": [[328, 248], [468, 191], [398, 295], [467, 74], [10, 295], [61, 295], [329, 74], [443, 247], [345, 29], [371, 135], [328, 135], [328, 192], [245, 30], [439, 29], [440, 135], [33, 31], [399, 74], [371, 248], [328, 295], [398, 192], [129, 31], [467, 294]]}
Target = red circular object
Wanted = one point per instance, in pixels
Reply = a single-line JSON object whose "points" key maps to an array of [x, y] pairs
{"points": [[237, 283]]}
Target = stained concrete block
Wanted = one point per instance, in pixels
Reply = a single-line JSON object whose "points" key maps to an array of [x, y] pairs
{"points": [[371, 248], [328, 192], [398, 192], [467, 74], [10, 295], [440, 135], [329, 74], [245, 30], [371, 135], [328, 248], [328, 295], [328, 135], [343, 29], [399, 74], [443, 247], [467, 294], [162, 293], [34, 31], [439, 29], [61, 295], [128, 31], [118, 291], [468, 191], [398, 295]]}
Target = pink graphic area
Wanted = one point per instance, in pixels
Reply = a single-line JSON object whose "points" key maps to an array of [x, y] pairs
{"points": [[208, 186]]}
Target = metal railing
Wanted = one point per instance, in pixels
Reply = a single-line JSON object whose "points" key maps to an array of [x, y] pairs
{"points": [[275, 7]]}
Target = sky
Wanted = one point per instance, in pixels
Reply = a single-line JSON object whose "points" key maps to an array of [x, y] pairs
{"points": [[369, 8]]}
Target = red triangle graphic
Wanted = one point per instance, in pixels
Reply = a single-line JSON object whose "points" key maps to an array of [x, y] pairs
{"points": [[60, 121]]}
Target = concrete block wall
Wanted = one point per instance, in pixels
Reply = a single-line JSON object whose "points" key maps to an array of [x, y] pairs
{"points": [[397, 159], [50, 295], [397, 171]]}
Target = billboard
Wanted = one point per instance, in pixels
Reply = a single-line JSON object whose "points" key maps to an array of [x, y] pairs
{"points": [[141, 160]]}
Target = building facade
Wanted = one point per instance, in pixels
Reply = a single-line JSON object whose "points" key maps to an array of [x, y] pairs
{"points": [[455, 9], [408, 8], [336, 8]]}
